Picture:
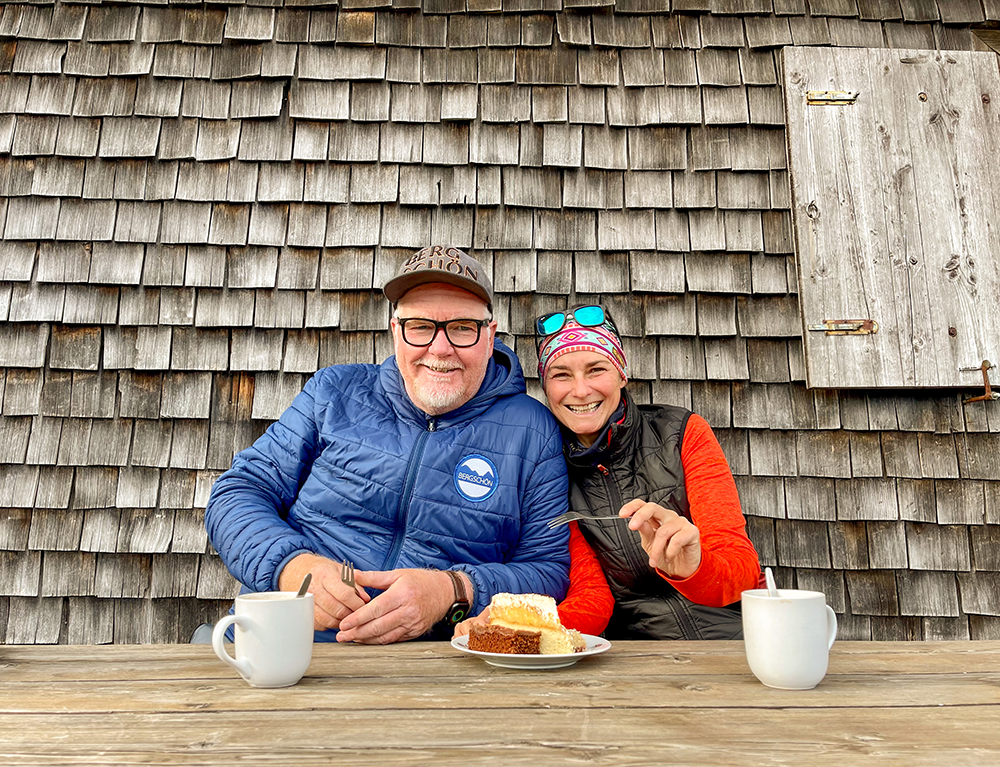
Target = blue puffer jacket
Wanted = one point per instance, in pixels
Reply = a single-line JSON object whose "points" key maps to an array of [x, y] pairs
{"points": [[353, 469]]}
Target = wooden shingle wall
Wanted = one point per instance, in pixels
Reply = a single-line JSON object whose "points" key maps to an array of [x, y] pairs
{"points": [[198, 204]]}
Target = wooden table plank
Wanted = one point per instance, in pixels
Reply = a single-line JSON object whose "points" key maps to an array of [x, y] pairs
{"points": [[912, 737], [519, 690]]}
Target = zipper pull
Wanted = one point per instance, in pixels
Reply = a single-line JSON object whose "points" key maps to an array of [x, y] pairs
{"points": [[432, 424], [604, 471]]}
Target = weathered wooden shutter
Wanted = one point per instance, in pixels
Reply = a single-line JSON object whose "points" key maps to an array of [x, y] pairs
{"points": [[896, 204]]}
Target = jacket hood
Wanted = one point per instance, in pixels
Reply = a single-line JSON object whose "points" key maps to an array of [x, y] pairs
{"points": [[504, 378]]}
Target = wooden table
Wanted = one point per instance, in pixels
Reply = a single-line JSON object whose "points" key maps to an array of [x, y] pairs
{"points": [[642, 703]]}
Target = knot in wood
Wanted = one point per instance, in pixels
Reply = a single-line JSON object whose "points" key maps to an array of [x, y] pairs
{"points": [[692, 687], [952, 267]]}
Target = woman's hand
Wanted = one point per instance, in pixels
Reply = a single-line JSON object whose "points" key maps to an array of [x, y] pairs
{"points": [[672, 542], [480, 620]]}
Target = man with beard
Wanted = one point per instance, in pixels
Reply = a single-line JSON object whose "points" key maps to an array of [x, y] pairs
{"points": [[434, 473]]}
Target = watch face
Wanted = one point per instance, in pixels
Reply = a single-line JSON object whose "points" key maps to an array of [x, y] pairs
{"points": [[457, 613]]}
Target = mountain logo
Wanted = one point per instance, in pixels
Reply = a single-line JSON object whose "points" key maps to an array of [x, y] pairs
{"points": [[476, 478]]}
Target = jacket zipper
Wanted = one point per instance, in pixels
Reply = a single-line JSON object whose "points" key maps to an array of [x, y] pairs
{"points": [[615, 496], [404, 501]]}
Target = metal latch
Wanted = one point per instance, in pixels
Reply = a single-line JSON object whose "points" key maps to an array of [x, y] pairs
{"points": [[846, 327], [989, 394], [832, 98]]}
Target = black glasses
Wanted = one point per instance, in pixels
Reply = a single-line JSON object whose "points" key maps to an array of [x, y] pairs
{"points": [[418, 331], [586, 316]]}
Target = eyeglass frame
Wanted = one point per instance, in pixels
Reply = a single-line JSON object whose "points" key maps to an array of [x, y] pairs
{"points": [[570, 313], [442, 326]]}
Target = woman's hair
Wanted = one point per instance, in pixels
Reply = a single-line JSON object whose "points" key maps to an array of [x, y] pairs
{"points": [[574, 337]]}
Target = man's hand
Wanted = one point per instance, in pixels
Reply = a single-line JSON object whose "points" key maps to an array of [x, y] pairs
{"points": [[411, 603], [334, 600], [672, 542]]}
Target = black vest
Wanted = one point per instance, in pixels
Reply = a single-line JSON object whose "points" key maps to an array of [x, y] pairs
{"points": [[641, 458]]}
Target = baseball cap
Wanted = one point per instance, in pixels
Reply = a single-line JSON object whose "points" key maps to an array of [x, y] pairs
{"points": [[440, 263]]}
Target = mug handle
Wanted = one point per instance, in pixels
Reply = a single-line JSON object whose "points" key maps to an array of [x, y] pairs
{"points": [[218, 637], [831, 626]]}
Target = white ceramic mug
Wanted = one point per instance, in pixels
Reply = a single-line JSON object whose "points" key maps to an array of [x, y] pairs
{"points": [[274, 637], [788, 637]]}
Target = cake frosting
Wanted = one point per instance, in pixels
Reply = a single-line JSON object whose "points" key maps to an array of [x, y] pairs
{"points": [[525, 624]]}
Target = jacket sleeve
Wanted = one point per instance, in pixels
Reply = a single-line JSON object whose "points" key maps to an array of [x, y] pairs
{"points": [[588, 603], [246, 511], [729, 563], [539, 563]]}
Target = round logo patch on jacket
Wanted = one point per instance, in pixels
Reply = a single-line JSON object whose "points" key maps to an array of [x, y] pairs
{"points": [[476, 478]]}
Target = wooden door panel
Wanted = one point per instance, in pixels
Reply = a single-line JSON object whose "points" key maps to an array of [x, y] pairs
{"points": [[895, 204]]}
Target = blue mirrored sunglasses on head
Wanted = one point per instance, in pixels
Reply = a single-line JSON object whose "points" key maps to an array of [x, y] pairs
{"points": [[585, 316]]}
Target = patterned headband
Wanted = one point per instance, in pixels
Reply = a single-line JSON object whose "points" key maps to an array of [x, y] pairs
{"points": [[574, 338]]}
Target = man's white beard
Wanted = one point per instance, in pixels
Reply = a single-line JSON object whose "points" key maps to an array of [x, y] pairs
{"points": [[439, 397]]}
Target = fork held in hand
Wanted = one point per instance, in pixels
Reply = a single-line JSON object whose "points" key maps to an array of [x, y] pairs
{"points": [[347, 572], [575, 516]]}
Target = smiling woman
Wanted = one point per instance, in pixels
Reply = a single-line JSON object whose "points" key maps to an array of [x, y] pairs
{"points": [[660, 468], [583, 390]]}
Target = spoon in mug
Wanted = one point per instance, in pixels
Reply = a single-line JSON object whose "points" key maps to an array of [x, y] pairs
{"points": [[304, 586], [772, 590]]}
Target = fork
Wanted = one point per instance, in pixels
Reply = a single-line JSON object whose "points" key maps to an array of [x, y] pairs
{"points": [[347, 572], [575, 516]]}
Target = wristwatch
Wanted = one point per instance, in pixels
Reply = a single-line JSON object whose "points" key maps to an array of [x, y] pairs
{"points": [[459, 609]]}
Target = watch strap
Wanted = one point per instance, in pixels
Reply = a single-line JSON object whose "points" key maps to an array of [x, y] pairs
{"points": [[459, 609], [459, 586]]}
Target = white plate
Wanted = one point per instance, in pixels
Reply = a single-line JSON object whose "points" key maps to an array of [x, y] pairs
{"points": [[595, 646]]}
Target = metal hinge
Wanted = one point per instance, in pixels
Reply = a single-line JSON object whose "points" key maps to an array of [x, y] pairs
{"points": [[989, 394], [832, 98], [846, 327]]}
